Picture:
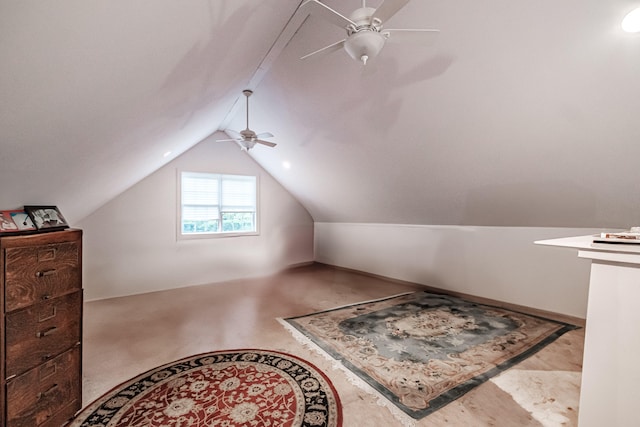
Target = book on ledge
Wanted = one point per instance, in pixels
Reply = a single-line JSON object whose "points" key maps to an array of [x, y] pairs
{"points": [[632, 236]]}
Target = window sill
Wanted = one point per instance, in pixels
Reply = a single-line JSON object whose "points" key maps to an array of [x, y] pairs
{"points": [[199, 236]]}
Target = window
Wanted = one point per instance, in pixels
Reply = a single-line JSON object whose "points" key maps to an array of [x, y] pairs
{"points": [[214, 204]]}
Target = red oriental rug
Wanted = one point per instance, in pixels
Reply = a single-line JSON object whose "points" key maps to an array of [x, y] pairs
{"points": [[224, 388]]}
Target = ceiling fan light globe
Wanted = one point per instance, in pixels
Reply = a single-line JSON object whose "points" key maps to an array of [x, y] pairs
{"points": [[364, 44]]}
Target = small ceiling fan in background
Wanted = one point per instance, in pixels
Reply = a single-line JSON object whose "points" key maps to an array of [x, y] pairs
{"points": [[366, 35], [247, 138]]}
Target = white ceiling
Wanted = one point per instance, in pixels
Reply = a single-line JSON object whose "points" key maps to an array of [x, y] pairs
{"points": [[521, 113]]}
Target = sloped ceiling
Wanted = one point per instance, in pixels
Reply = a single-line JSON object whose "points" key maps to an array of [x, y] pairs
{"points": [[93, 93], [520, 114]]}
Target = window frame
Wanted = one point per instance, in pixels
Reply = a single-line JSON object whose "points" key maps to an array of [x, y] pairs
{"points": [[215, 234]]}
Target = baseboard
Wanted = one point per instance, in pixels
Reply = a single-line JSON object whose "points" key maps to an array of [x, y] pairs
{"points": [[577, 321], [299, 265]]}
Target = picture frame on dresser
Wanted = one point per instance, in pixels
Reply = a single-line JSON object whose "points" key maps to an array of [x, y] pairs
{"points": [[46, 218], [13, 222]]}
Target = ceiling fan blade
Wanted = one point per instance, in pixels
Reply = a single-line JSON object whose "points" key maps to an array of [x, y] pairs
{"points": [[267, 143], [317, 8], [227, 140], [327, 49], [387, 9], [234, 135], [411, 36], [264, 135]]}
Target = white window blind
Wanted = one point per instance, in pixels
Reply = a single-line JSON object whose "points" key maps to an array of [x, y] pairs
{"points": [[200, 196], [239, 194], [216, 203]]}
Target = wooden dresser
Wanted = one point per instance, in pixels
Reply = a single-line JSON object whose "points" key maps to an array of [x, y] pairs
{"points": [[41, 333]]}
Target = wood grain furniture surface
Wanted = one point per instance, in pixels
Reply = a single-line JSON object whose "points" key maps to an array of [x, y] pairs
{"points": [[41, 334]]}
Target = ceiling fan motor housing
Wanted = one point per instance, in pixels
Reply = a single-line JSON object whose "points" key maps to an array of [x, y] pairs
{"points": [[362, 18], [248, 135]]}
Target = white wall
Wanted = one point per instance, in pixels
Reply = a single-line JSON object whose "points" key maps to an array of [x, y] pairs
{"points": [[130, 244], [500, 263]]}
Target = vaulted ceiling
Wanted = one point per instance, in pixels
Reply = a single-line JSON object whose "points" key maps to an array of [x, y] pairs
{"points": [[520, 113]]}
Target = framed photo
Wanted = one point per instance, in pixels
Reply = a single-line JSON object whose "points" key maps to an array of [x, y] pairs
{"points": [[15, 222], [46, 218], [7, 226]]}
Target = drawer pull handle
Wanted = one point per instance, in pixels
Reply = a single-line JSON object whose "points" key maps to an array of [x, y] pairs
{"points": [[46, 297], [48, 391], [48, 331], [46, 357], [46, 273]]}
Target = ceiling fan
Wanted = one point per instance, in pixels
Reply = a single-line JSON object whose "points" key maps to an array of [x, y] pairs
{"points": [[366, 35], [247, 138]]}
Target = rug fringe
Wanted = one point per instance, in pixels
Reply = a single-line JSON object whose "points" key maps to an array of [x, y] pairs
{"points": [[307, 343]]}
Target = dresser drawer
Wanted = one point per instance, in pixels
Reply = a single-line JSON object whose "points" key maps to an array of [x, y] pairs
{"points": [[46, 395], [37, 333], [36, 273]]}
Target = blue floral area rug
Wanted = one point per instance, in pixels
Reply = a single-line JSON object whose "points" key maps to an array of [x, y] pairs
{"points": [[422, 351]]}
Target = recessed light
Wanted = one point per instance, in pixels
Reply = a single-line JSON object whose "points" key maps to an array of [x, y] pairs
{"points": [[286, 164], [166, 154], [631, 22]]}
